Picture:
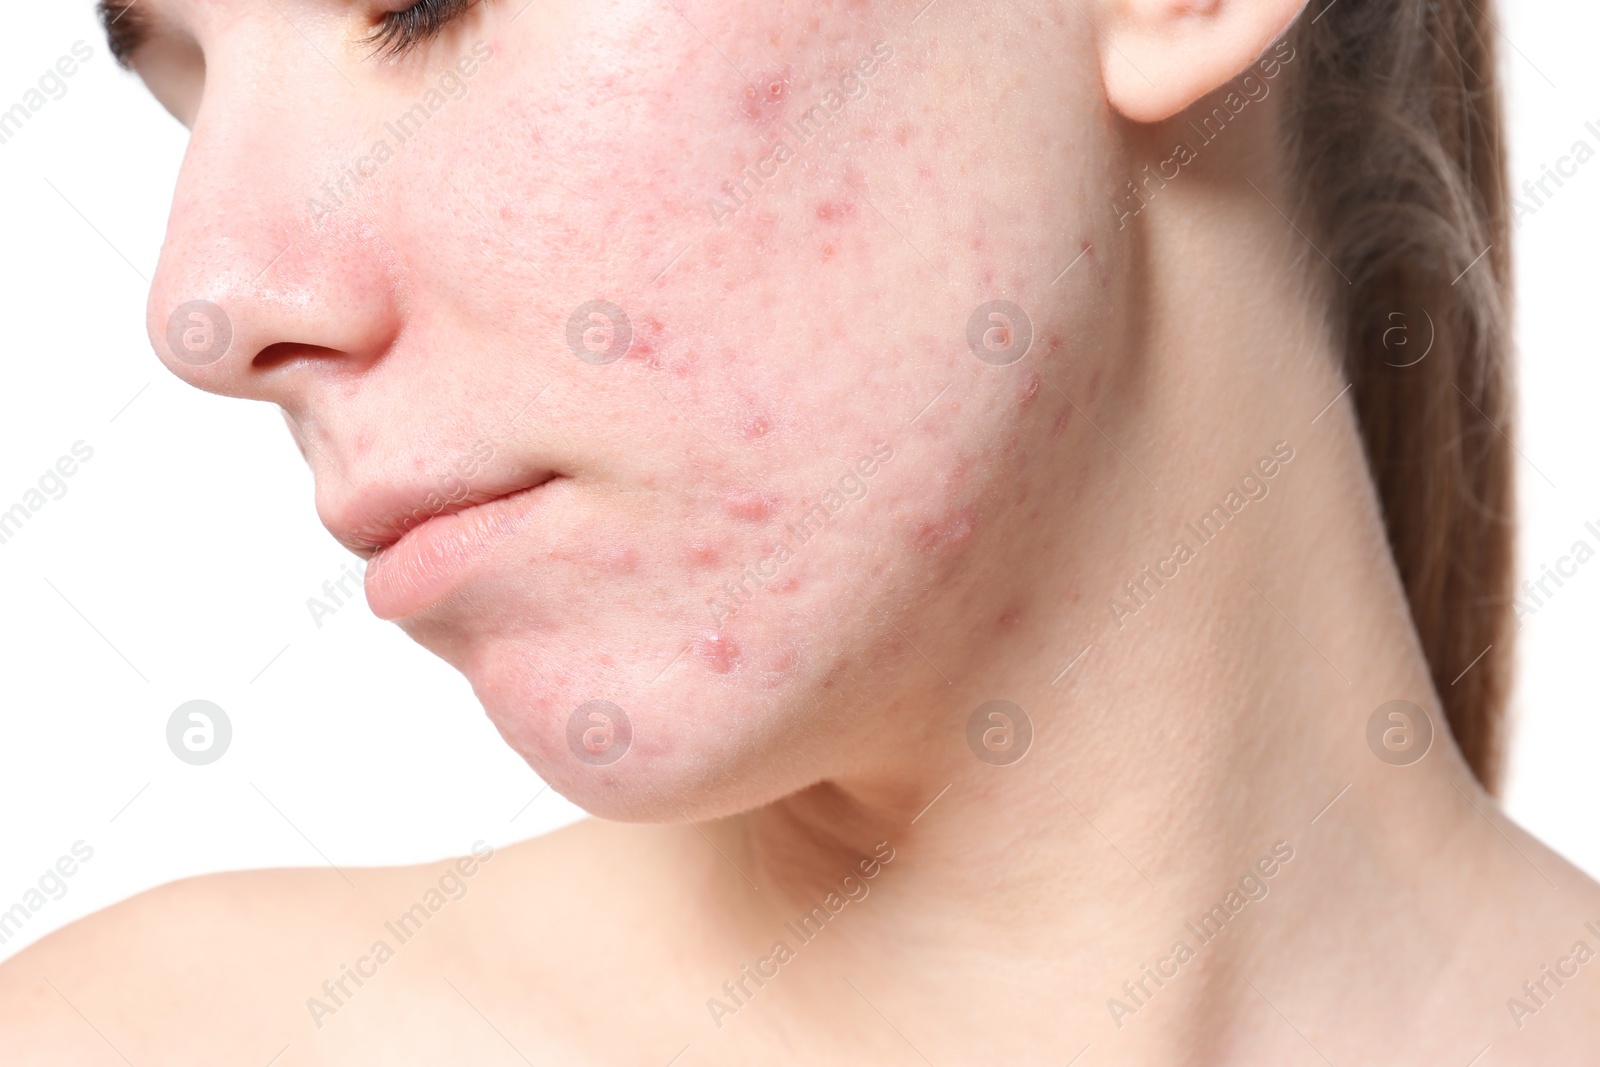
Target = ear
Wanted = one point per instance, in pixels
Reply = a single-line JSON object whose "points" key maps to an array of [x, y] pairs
{"points": [[1159, 56]]}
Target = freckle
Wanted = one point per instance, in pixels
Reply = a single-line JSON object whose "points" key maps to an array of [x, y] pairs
{"points": [[750, 505], [902, 134], [1063, 417], [1030, 390], [719, 652], [835, 210], [1094, 384]]}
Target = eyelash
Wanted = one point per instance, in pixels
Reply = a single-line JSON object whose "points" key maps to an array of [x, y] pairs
{"points": [[399, 32]]}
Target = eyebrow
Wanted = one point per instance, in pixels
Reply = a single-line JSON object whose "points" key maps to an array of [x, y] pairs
{"points": [[127, 28]]}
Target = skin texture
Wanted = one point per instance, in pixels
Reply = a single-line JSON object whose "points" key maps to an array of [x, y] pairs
{"points": [[406, 321]]}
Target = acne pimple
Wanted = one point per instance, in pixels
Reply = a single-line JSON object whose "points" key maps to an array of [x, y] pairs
{"points": [[1063, 417], [719, 652], [682, 363], [1030, 390], [947, 533], [762, 101], [785, 585], [781, 664], [835, 210], [623, 561], [646, 345], [754, 425], [1010, 617], [749, 505], [702, 554]]}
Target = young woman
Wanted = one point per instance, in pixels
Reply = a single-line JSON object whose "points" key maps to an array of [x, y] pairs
{"points": [[1002, 509]]}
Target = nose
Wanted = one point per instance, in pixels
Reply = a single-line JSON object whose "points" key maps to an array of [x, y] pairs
{"points": [[261, 289]]}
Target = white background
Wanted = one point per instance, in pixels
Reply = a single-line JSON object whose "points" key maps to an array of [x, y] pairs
{"points": [[179, 562]]}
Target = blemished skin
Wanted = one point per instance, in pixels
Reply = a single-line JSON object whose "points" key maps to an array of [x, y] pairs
{"points": [[798, 703]]}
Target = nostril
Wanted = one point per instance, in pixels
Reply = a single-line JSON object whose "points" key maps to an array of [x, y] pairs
{"points": [[285, 352]]}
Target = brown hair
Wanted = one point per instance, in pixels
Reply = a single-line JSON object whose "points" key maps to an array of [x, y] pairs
{"points": [[1397, 136]]}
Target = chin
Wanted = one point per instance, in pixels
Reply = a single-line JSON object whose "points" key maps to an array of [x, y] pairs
{"points": [[689, 746]]}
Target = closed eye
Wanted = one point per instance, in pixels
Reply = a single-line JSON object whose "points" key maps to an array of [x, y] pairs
{"points": [[401, 31]]}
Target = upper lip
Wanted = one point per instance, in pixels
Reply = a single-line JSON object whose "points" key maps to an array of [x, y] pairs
{"points": [[374, 517]]}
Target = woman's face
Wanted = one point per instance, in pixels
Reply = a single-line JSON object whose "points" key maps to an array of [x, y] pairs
{"points": [[712, 276]]}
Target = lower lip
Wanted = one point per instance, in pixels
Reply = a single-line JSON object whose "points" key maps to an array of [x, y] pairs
{"points": [[435, 558]]}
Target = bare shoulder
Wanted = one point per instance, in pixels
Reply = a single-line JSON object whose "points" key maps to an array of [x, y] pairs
{"points": [[1537, 984], [245, 966], [105, 988]]}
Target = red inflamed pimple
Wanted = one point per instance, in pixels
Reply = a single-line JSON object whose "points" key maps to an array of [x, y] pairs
{"points": [[1030, 390], [763, 99], [946, 533], [702, 554], [835, 211], [719, 652], [749, 505]]}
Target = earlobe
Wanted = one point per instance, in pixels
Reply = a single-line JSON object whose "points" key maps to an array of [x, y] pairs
{"points": [[1159, 56]]}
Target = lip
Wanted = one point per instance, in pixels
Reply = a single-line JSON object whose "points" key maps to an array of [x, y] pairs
{"points": [[435, 557]]}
